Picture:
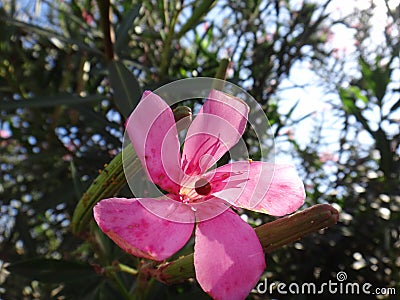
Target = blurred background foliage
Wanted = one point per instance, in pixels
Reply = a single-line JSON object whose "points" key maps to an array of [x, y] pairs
{"points": [[70, 71]]}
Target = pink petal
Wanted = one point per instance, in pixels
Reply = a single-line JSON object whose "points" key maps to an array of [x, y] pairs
{"points": [[285, 195], [139, 232], [152, 131], [209, 209], [228, 257], [217, 128], [275, 189]]}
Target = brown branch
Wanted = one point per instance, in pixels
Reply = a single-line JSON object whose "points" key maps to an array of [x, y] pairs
{"points": [[107, 28]]}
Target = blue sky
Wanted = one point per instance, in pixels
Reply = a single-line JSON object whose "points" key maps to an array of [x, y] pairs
{"points": [[314, 97]]}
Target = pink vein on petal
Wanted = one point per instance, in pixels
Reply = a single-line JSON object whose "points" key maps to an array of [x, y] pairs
{"points": [[217, 127]]}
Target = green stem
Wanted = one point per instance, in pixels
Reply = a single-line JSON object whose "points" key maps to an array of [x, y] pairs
{"points": [[222, 68], [221, 74], [110, 181], [127, 269], [281, 232], [121, 287], [144, 282], [167, 45]]}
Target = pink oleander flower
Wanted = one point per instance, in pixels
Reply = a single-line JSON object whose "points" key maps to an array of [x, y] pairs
{"points": [[228, 256]]}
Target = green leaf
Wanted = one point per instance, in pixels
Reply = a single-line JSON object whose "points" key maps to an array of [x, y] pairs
{"points": [[127, 91], [375, 78], [50, 35], [395, 106], [126, 24], [365, 68], [357, 93], [381, 76], [348, 100], [49, 101], [382, 143], [291, 110], [52, 270], [76, 180]]}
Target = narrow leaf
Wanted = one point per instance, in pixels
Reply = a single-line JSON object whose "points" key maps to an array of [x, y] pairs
{"points": [[126, 24], [49, 101], [358, 94], [127, 91], [395, 106], [291, 110], [76, 180], [51, 35], [52, 271]]}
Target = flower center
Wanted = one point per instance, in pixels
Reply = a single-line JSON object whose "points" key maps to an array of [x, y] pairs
{"points": [[202, 187]]}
